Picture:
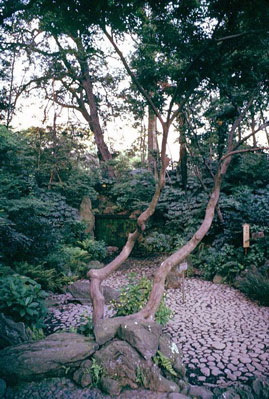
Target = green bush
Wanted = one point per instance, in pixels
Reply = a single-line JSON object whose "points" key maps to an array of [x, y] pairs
{"points": [[221, 261], [74, 261], [255, 284], [86, 327], [156, 243], [135, 191], [23, 300], [49, 278], [96, 249], [135, 295]]}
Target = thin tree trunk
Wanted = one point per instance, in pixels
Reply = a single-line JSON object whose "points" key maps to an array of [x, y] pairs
{"points": [[148, 312], [253, 131], [95, 125], [96, 276], [152, 141]]}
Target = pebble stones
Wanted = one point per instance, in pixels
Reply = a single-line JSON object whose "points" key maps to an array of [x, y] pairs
{"points": [[223, 336]]}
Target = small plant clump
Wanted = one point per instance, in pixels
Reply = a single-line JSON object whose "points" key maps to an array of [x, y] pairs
{"points": [[255, 284], [96, 372], [135, 295], [164, 362], [23, 299], [86, 326]]}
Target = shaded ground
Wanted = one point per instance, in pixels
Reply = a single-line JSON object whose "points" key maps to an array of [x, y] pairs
{"points": [[224, 336]]}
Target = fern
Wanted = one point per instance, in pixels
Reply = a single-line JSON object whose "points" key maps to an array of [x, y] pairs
{"points": [[164, 362]]}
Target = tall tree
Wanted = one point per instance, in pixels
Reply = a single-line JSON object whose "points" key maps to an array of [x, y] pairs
{"points": [[198, 45]]}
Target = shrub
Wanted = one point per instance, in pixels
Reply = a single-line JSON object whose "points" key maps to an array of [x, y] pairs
{"points": [[135, 295], [135, 191], [96, 249], [49, 278], [255, 285], [23, 300], [74, 261], [86, 326], [221, 261], [156, 243]]}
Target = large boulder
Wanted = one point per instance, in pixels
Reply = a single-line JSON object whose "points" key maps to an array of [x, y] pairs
{"points": [[170, 350], [80, 290], [82, 376], [12, 333], [200, 392], [51, 356], [106, 329], [86, 215], [142, 335], [126, 367]]}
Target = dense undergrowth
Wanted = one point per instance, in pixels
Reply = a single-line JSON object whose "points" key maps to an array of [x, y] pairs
{"points": [[43, 239]]}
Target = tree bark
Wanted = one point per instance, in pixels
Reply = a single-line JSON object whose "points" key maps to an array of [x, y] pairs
{"points": [[96, 276], [148, 312], [152, 141], [94, 122]]}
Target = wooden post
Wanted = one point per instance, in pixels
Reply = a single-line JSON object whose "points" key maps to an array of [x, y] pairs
{"points": [[246, 236], [181, 269]]}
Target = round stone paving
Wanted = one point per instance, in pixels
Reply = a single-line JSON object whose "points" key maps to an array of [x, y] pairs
{"points": [[224, 337]]}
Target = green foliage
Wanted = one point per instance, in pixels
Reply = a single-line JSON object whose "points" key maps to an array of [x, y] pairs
{"points": [[22, 299], [49, 278], [255, 284], [135, 295], [96, 373], [73, 261], [221, 261], [96, 249], [182, 213], [134, 191], [37, 333], [140, 376], [80, 183], [86, 326], [156, 243], [164, 362]]}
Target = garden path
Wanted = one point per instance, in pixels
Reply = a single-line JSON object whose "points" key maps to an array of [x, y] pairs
{"points": [[224, 336]]}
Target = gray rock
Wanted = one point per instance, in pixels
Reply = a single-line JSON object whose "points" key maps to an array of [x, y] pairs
{"points": [[123, 364], [3, 387], [218, 279], [218, 345], [200, 392], [86, 215], [106, 329], [80, 290], [170, 350], [95, 264], [154, 381], [178, 396], [110, 386], [82, 376], [12, 333], [144, 336], [120, 362], [230, 394], [51, 356]]}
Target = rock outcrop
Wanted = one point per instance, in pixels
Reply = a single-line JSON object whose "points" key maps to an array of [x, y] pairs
{"points": [[80, 290], [51, 356], [12, 333]]}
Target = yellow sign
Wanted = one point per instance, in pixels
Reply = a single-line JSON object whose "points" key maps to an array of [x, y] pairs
{"points": [[246, 235]]}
